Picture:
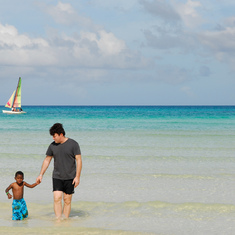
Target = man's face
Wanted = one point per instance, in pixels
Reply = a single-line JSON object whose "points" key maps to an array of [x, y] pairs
{"points": [[57, 138]]}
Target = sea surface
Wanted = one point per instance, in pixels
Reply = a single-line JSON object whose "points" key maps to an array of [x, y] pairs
{"points": [[166, 170]]}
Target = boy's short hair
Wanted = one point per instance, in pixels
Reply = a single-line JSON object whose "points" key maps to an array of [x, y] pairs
{"points": [[19, 173], [57, 128]]}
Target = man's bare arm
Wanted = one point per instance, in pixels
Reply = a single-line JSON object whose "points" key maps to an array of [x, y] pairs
{"points": [[45, 165], [76, 180]]}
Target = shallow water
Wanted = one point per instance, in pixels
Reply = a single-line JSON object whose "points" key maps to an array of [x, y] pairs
{"points": [[151, 170]]}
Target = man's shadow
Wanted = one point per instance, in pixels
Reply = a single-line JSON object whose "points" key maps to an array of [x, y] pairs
{"points": [[78, 213]]}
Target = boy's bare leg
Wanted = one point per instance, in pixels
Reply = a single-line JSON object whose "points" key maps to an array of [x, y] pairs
{"points": [[67, 204], [58, 203]]}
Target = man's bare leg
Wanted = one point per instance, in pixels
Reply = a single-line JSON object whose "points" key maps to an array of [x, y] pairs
{"points": [[67, 204], [58, 203]]}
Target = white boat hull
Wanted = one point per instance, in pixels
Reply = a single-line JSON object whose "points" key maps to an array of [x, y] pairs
{"points": [[13, 112]]}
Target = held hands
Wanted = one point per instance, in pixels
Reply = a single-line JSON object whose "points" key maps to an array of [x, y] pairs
{"points": [[39, 179]]}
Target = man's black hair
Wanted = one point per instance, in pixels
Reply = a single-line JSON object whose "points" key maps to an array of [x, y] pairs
{"points": [[57, 128]]}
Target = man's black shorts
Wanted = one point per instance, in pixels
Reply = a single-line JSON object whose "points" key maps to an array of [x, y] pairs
{"points": [[65, 186]]}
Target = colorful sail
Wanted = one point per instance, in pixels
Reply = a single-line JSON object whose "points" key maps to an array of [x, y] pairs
{"points": [[10, 101], [14, 103], [17, 100]]}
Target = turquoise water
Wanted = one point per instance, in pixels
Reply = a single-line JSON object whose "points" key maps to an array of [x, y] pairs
{"points": [[123, 117], [146, 169]]}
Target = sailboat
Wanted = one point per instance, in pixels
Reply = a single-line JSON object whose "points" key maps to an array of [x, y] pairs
{"points": [[14, 103]]}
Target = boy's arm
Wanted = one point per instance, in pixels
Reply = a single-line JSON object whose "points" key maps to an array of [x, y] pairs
{"points": [[7, 191], [30, 185]]}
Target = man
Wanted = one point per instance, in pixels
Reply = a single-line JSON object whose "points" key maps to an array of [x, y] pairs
{"points": [[67, 168]]}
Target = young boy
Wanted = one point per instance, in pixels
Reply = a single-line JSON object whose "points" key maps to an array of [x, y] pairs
{"points": [[19, 207]]}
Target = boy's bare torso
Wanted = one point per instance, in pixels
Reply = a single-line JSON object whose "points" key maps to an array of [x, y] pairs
{"points": [[18, 190]]}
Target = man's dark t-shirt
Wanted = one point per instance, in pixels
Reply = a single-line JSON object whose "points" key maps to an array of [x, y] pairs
{"points": [[64, 159]]}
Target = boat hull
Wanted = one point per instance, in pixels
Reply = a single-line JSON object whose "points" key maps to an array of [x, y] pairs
{"points": [[13, 112]]}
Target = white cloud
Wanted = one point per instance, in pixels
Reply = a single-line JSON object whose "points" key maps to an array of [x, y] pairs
{"points": [[122, 5], [161, 9], [230, 22], [84, 43], [65, 7], [176, 32], [65, 14], [188, 91], [189, 14], [88, 49], [173, 74], [103, 49], [221, 43], [62, 13], [20, 49], [108, 44], [10, 37]]}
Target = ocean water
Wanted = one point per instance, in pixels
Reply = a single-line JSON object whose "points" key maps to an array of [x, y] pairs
{"points": [[146, 169]]}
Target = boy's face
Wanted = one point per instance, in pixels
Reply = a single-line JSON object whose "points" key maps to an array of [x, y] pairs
{"points": [[19, 179]]}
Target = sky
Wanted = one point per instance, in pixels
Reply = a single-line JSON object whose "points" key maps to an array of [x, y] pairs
{"points": [[125, 52]]}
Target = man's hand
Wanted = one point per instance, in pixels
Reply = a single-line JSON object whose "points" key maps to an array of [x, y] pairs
{"points": [[39, 179], [76, 181]]}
